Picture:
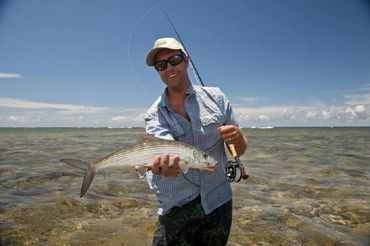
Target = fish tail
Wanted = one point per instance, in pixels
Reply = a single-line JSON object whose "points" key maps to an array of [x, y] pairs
{"points": [[89, 172]]}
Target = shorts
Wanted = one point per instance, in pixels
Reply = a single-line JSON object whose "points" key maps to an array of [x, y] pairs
{"points": [[189, 225]]}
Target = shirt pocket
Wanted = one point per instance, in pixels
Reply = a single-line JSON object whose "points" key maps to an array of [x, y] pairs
{"points": [[211, 121], [177, 131], [207, 133], [180, 134]]}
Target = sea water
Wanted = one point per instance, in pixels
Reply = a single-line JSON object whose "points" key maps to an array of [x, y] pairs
{"points": [[307, 186]]}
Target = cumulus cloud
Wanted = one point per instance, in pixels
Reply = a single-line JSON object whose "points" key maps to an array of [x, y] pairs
{"points": [[119, 118], [303, 115], [10, 76], [360, 108], [362, 99], [251, 100], [16, 118], [24, 104], [133, 117], [354, 111], [17, 112], [359, 96]]}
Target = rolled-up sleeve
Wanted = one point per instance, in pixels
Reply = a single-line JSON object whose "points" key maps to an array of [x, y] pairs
{"points": [[229, 113], [223, 102], [154, 127]]}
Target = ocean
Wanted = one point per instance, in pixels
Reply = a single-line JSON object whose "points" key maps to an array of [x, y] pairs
{"points": [[307, 186]]}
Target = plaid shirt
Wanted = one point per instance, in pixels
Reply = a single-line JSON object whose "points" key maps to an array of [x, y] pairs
{"points": [[208, 109]]}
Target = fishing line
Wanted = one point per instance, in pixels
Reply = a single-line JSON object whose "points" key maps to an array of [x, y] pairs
{"points": [[234, 169], [195, 71], [133, 30], [129, 48]]}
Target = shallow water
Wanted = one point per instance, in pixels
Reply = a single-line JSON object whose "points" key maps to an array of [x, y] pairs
{"points": [[308, 186]]}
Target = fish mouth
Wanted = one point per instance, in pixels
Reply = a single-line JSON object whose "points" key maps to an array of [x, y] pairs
{"points": [[212, 166]]}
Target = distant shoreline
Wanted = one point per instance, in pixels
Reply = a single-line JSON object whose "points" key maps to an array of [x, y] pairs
{"points": [[140, 127]]}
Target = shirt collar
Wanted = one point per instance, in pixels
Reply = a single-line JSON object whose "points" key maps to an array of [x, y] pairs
{"points": [[164, 98]]}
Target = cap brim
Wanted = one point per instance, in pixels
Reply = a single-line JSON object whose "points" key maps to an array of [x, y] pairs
{"points": [[150, 58]]}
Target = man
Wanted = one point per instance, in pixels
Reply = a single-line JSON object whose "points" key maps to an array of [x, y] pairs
{"points": [[195, 208]]}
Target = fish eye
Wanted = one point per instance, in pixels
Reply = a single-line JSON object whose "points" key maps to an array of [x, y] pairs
{"points": [[204, 155]]}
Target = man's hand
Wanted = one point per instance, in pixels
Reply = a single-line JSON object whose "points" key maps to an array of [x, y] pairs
{"points": [[160, 165], [233, 135]]}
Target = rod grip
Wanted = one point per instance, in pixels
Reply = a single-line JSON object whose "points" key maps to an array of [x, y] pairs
{"points": [[231, 148]]}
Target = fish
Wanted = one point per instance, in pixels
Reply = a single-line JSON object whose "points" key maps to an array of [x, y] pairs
{"points": [[141, 154]]}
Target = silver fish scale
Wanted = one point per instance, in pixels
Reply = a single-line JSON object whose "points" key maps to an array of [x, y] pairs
{"points": [[141, 154], [144, 153]]}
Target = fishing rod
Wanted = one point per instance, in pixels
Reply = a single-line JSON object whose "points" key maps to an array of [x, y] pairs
{"points": [[183, 45], [234, 169]]}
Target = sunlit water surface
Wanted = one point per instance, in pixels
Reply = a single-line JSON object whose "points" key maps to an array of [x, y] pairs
{"points": [[308, 186]]}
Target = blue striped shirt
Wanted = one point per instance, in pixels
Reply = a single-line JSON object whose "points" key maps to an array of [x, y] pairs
{"points": [[208, 109]]}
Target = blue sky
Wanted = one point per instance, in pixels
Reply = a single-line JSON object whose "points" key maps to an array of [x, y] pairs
{"points": [[281, 63]]}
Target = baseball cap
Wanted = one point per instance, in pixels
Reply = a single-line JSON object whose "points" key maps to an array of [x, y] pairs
{"points": [[163, 43]]}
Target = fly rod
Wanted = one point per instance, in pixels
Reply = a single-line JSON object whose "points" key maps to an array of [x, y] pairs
{"points": [[234, 169], [183, 45]]}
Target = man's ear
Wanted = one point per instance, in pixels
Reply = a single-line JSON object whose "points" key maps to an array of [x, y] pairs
{"points": [[187, 59]]}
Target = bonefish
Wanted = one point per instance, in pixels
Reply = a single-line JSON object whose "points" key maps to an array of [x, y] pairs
{"points": [[142, 154]]}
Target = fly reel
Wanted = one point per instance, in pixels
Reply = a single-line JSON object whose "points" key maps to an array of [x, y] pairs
{"points": [[235, 171]]}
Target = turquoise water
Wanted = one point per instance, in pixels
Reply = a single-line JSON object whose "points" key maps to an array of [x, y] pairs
{"points": [[308, 186]]}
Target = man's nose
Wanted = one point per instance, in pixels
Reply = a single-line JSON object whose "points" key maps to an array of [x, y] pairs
{"points": [[169, 66]]}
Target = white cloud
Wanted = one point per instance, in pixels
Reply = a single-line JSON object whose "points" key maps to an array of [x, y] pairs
{"points": [[246, 116], [360, 108], [17, 112], [24, 104], [325, 115], [251, 100], [354, 111], [16, 118], [303, 115], [311, 115], [358, 96], [10, 76], [130, 117], [119, 118], [356, 99]]}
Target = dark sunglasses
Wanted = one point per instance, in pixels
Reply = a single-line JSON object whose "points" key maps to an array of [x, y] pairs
{"points": [[173, 60]]}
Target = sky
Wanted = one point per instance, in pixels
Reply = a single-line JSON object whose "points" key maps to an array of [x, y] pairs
{"points": [[79, 63]]}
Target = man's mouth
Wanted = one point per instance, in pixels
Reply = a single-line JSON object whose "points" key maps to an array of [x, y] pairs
{"points": [[172, 75]]}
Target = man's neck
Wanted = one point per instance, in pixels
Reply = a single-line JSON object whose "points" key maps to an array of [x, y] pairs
{"points": [[178, 92], [176, 96], [176, 100]]}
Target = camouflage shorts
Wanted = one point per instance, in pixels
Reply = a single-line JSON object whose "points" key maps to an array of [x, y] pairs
{"points": [[189, 225]]}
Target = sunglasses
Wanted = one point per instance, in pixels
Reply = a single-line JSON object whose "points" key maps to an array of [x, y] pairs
{"points": [[173, 60]]}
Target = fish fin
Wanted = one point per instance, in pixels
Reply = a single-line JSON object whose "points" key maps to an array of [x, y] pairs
{"points": [[150, 138], [84, 165], [184, 165], [89, 175], [137, 168]]}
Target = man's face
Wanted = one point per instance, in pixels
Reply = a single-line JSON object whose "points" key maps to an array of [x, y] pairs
{"points": [[175, 77]]}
